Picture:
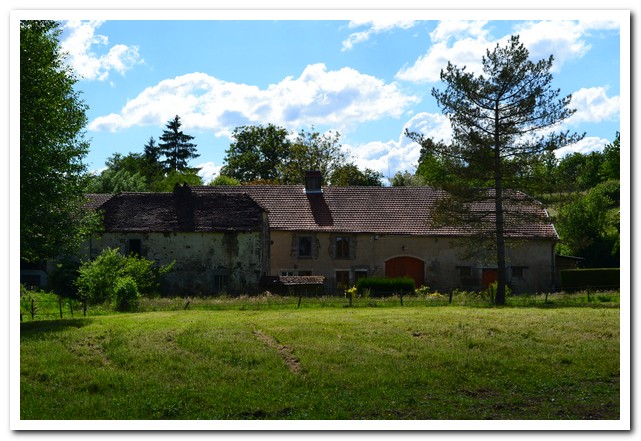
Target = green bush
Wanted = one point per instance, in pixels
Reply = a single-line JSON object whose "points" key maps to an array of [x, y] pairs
{"points": [[577, 279], [379, 286], [126, 293], [98, 278]]}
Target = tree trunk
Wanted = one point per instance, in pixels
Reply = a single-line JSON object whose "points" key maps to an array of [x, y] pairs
{"points": [[498, 204]]}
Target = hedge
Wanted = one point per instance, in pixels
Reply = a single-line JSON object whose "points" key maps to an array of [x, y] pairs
{"points": [[383, 285], [595, 278]]}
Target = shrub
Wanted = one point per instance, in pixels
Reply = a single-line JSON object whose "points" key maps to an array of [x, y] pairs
{"points": [[577, 279], [98, 278], [126, 294], [378, 286]]}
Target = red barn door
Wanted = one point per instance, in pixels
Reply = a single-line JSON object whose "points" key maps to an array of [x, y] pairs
{"points": [[406, 266]]}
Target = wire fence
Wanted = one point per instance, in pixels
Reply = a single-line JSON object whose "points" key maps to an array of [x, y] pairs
{"points": [[32, 309], [39, 309]]}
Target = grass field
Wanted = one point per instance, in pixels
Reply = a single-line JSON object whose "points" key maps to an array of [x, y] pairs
{"points": [[392, 363]]}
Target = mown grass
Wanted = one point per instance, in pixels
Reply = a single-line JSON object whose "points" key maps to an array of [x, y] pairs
{"points": [[392, 363]]}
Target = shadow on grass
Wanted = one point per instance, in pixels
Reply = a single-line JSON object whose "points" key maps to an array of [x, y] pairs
{"points": [[35, 329]]}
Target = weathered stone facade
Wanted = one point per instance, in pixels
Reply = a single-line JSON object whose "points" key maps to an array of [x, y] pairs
{"points": [[217, 243]]}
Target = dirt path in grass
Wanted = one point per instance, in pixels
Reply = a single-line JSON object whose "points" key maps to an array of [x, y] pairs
{"points": [[284, 351]]}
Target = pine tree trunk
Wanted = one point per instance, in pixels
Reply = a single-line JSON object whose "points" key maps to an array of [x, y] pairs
{"points": [[498, 203]]}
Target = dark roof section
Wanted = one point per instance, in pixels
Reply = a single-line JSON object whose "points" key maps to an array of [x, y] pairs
{"points": [[95, 200], [377, 210], [180, 211]]}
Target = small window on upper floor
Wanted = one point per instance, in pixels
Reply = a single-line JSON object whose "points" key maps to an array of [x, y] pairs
{"points": [[305, 246], [342, 247]]}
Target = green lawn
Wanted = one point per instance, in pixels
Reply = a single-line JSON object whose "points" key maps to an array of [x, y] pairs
{"points": [[325, 363]]}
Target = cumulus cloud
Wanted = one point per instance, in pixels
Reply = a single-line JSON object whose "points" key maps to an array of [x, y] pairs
{"points": [[80, 44], [402, 154], [208, 171], [593, 105], [339, 99], [464, 42], [585, 146], [373, 27]]}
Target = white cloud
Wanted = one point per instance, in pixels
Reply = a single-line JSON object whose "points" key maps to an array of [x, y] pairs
{"points": [[460, 42], [585, 146], [340, 99], [403, 154], [463, 43], [594, 105], [374, 27], [80, 45], [208, 171]]}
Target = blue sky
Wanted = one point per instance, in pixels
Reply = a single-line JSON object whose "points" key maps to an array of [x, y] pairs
{"points": [[367, 75]]}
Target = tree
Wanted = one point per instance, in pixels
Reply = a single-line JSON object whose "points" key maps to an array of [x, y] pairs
{"points": [[611, 166], [502, 120], [176, 146], [350, 174], [256, 153], [589, 225], [151, 167], [312, 151], [173, 178], [111, 181], [222, 180], [52, 147], [406, 179]]}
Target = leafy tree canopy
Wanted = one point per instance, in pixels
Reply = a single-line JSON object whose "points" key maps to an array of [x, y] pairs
{"points": [[256, 153], [52, 147]]}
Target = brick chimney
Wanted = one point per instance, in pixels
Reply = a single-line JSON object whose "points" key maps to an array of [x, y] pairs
{"points": [[313, 182]]}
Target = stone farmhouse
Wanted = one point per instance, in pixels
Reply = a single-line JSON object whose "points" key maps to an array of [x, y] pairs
{"points": [[216, 241], [230, 238]]}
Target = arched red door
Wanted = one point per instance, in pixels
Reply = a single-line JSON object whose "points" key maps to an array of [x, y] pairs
{"points": [[406, 266]]}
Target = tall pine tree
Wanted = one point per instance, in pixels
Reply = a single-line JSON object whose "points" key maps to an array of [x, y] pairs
{"points": [[503, 121], [176, 147]]}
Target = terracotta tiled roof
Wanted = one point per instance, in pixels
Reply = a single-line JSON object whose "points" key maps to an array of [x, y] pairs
{"points": [[377, 210], [180, 211]]}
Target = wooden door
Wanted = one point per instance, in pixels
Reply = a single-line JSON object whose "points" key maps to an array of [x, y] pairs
{"points": [[406, 266], [489, 276]]}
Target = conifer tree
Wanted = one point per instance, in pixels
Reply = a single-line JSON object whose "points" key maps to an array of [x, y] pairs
{"points": [[503, 120], [176, 147]]}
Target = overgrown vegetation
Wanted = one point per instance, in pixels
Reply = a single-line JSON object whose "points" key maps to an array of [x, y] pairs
{"points": [[356, 363], [118, 279]]}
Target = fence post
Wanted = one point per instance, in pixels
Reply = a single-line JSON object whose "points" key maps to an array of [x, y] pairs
{"points": [[71, 308], [60, 305], [451, 294], [300, 298], [33, 309]]}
